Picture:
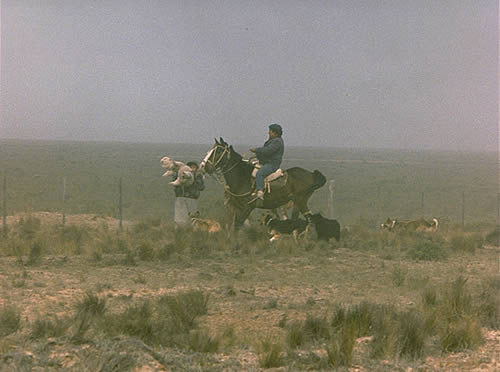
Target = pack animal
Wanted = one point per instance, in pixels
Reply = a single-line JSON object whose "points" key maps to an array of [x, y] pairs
{"points": [[325, 227], [277, 227], [184, 174]]}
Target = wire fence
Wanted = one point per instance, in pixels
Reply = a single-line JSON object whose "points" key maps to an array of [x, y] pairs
{"points": [[142, 196]]}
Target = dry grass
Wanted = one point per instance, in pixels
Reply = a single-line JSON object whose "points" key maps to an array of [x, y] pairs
{"points": [[193, 300]]}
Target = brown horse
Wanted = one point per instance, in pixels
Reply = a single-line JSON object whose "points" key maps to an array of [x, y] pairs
{"points": [[297, 185]]}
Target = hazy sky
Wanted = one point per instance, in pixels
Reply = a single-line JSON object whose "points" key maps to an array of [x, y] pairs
{"points": [[351, 73]]}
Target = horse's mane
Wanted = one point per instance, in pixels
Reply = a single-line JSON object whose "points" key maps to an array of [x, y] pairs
{"points": [[239, 158]]}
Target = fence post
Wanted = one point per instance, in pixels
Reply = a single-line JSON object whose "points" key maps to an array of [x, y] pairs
{"points": [[422, 204], [120, 208], [331, 188], [463, 209], [64, 201], [4, 206]]}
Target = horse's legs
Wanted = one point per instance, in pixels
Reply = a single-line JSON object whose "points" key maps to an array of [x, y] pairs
{"points": [[229, 218], [240, 217], [300, 205]]}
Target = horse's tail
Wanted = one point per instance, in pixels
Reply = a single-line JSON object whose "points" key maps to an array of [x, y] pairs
{"points": [[318, 181]]}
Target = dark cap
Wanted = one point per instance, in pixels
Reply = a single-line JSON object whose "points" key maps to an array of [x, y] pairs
{"points": [[276, 128]]}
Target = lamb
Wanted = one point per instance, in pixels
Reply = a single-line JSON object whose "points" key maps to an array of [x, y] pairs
{"points": [[184, 173]]}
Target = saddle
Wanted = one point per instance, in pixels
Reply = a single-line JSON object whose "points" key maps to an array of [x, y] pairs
{"points": [[279, 174]]}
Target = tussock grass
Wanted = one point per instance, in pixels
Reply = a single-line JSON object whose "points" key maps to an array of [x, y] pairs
{"points": [[35, 253], [340, 348], [493, 237], [201, 341], [145, 251], [28, 227], [398, 275], [316, 328], [136, 320], [90, 305], [461, 335], [10, 320], [270, 354], [429, 297], [295, 336], [169, 321], [49, 326], [183, 309], [461, 242], [411, 335]]}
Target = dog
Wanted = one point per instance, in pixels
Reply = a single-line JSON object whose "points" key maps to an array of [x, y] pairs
{"points": [[185, 176], [415, 225], [325, 227], [202, 224], [276, 227]]}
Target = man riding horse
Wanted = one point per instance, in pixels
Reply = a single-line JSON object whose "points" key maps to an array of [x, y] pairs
{"points": [[297, 184], [270, 156]]}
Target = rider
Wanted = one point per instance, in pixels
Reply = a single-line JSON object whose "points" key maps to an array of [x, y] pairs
{"points": [[269, 156]]}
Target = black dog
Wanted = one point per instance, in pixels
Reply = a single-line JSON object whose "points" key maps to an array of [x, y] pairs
{"points": [[325, 228], [277, 227]]}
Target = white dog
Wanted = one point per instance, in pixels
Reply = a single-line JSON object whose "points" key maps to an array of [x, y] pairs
{"points": [[185, 176]]}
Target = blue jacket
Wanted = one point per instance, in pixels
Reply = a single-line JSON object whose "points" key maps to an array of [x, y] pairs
{"points": [[271, 152]]}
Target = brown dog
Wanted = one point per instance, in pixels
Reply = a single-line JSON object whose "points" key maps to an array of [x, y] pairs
{"points": [[202, 224]]}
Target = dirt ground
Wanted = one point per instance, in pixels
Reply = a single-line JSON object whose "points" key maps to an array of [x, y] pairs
{"points": [[248, 292]]}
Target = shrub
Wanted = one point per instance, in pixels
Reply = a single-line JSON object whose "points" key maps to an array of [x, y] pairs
{"points": [[10, 320], [466, 242], [426, 250]]}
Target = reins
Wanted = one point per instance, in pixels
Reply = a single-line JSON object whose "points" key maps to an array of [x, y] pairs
{"points": [[221, 171]]}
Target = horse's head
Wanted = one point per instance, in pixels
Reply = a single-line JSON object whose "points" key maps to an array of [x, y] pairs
{"points": [[217, 157]]}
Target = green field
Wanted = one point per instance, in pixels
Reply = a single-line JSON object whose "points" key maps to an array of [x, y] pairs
{"points": [[369, 184]]}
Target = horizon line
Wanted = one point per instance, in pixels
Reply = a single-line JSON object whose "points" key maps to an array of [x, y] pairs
{"points": [[412, 149]]}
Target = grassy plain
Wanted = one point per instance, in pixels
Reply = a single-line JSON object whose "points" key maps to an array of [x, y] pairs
{"points": [[369, 184], [87, 297]]}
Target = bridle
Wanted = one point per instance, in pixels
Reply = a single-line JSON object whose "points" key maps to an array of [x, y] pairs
{"points": [[221, 170]]}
